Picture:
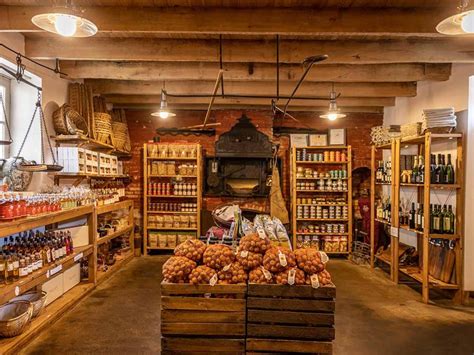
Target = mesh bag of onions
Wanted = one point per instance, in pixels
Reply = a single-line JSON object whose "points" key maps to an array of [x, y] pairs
{"points": [[260, 276], [292, 276], [217, 256], [202, 275], [320, 279], [192, 249], [278, 259], [249, 260], [255, 244], [311, 260], [232, 274], [177, 269]]}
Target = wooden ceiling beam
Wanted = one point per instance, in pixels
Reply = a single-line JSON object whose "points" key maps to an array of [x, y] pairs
{"points": [[309, 89], [254, 71], [172, 101], [247, 21], [446, 50]]}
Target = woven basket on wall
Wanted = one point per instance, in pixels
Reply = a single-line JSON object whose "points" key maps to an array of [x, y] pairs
{"points": [[121, 136], [66, 120], [103, 128]]}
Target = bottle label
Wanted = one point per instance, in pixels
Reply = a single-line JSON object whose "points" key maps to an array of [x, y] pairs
{"points": [[23, 272], [10, 267], [48, 256], [2, 267], [40, 264], [447, 224], [16, 264]]}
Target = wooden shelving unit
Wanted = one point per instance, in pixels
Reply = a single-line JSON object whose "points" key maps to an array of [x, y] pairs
{"points": [[424, 193], [89, 143], [322, 166], [71, 297], [169, 178]]}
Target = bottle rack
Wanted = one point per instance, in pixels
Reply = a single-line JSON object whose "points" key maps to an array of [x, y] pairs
{"points": [[310, 196], [424, 193], [160, 203]]}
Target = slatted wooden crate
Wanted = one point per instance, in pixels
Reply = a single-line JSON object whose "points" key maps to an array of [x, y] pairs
{"points": [[290, 319], [194, 319]]}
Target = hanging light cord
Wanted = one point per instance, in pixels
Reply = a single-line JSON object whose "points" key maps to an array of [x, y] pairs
{"points": [[56, 69]]}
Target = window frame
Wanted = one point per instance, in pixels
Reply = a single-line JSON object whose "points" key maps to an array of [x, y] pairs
{"points": [[6, 84]]}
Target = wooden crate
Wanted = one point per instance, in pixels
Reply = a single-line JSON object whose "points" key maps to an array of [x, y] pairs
{"points": [[290, 319], [194, 319]]}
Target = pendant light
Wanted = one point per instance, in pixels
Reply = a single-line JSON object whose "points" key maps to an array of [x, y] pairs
{"points": [[333, 112], [163, 112], [67, 23], [459, 24]]}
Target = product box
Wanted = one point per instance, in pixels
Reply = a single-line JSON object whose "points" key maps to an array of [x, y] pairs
{"points": [[120, 168], [71, 277], [54, 288]]}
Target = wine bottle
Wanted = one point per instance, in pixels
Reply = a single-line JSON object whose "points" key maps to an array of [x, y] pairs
{"points": [[433, 169], [420, 179], [449, 220], [412, 218], [414, 171], [432, 213], [449, 169], [438, 171]]}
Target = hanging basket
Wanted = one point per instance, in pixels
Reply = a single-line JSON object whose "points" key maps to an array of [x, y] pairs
{"points": [[103, 128]]}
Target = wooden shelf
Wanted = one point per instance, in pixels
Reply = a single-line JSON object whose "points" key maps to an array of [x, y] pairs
{"points": [[113, 235], [322, 204], [173, 229], [434, 137], [323, 219], [173, 176], [323, 234], [160, 248], [171, 212], [124, 259], [114, 206], [415, 273], [325, 147], [91, 144], [408, 229], [384, 146], [24, 224], [321, 191], [171, 159], [50, 314], [382, 221], [89, 176], [383, 183], [384, 258], [321, 162], [433, 186], [171, 196], [39, 277], [317, 178]]}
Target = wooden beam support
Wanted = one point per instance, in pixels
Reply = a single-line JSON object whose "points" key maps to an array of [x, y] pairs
{"points": [[310, 89], [140, 99], [169, 71], [248, 21], [446, 50]]}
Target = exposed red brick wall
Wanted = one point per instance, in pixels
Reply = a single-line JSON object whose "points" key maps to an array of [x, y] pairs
{"points": [[142, 128]]}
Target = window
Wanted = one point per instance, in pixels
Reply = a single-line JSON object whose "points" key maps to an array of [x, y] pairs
{"points": [[5, 97]]}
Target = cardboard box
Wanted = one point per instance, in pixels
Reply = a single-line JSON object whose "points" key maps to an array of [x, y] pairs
{"points": [[71, 277], [54, 288]]}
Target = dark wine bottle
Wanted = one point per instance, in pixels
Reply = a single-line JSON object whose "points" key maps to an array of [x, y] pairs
{"points": [[412, 218], [438, 171], [433, 168], [449, 169]]}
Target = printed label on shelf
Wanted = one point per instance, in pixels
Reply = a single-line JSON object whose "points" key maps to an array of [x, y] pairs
{"points": [[17, 291], [55, 270], [78, 256], [394, 232]]}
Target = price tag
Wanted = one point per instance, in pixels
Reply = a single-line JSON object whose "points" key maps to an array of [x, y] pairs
{"points": [[78, 256], [47, 274], [394, 232], [324, 257], [244, 253], [261, 233], [291, 276], [267, 274], [226, 268], [55, 270], [282, 258], [314, 281], [17, 291], [213, 280]]}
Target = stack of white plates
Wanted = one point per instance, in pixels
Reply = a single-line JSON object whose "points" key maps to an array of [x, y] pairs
{"points": [[436, 118]]}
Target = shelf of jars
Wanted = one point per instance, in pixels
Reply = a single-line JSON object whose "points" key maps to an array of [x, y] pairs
{"points": [[322, 198], [38, 254], [438, 229], [172, 194]]}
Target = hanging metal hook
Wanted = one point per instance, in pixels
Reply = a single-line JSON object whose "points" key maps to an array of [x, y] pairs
{"points": [[20, 68]]}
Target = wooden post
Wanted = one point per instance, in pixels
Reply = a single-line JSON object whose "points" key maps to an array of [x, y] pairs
{"points": [[372, 207], [145, 199], [426, 215], [92, 224], [199, 189], [395, 225], [349, 198], [460, 297], [293, 194]]}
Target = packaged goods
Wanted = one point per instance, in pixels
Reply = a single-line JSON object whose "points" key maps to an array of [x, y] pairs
{"points": [[192, 249], [274, 229], [202, 275], [177, 269], [217, 256], [232, 274], [249, 260], [311, 260], [292, 276], [260, 275], [255, 244], [278, 259]]}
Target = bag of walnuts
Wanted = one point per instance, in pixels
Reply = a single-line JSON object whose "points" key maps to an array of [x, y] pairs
{"points": [[177, 269], [311, 260], [232, 274], [202, 275], [218, 255], [320, 279], [292, 276], [260, 275], [278, 259], [249, 260], [192, 249], [255, 244]]}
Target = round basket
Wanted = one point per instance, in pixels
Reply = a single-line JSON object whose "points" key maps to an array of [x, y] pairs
{"points": [[36, 298], [14, 317], [75, 122], [59, 120], [121, 136], [103, 127]]}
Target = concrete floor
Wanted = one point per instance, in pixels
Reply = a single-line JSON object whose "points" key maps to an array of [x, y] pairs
{"points": [[373, 316]]}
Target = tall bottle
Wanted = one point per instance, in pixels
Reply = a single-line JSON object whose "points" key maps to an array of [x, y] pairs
{"points": [[412, 218], [414, 172], [449, 172], [433, 169], [9, 269], [448, 217], [432, 213], [438, 171], [419, 218], [420, 179]]}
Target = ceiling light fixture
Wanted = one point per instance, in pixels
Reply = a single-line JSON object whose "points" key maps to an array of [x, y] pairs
{"points": [[459, 24], [67, 23], [163, 112], [333, 112]]}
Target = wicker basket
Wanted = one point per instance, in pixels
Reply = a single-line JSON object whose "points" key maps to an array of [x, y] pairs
{"points": [[59, 120], [121, 136], [103, 127], [379, 135], [14, 317], [75, 122], [410, 130]]}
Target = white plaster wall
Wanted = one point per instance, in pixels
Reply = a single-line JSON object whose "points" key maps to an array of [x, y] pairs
{"points": [[457, 92]]}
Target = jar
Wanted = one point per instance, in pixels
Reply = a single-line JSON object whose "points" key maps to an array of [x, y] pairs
{"points": [[331, 156]]}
